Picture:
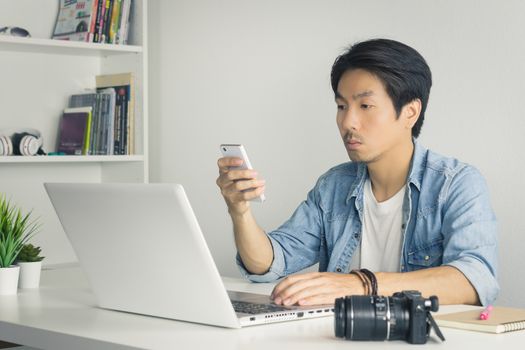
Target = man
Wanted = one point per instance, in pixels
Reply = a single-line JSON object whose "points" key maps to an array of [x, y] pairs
{"points": [[419, 220]]}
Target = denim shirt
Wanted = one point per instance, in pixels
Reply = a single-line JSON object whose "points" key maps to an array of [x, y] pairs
{"points": [[447, 219]]}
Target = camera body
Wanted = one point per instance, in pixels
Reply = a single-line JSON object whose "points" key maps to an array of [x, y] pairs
{"points": [[403, 316], [418, 327]]}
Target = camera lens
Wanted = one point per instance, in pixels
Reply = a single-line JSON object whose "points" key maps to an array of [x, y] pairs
{"points": [[400, 318], [340, 317], [359, 317]]}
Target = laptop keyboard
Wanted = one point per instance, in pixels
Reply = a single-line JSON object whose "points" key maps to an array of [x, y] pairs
{"points": [[251, 308]]}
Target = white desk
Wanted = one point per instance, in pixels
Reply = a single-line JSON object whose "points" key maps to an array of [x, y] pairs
{"points": [[62, 315]]}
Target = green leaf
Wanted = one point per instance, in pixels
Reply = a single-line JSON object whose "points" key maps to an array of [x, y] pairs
{"points": [[16, 230]]}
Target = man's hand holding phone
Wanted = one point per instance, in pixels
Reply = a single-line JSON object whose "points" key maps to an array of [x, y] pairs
{"points": [[237, 180]]}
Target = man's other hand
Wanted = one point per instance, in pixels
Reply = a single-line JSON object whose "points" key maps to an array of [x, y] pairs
{"points": [[316, 288]]}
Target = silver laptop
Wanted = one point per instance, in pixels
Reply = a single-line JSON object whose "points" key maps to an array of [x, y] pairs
{"points": [[143, 251]]}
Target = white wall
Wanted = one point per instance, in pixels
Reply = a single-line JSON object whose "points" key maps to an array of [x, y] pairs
{"points": [[257, 73]]}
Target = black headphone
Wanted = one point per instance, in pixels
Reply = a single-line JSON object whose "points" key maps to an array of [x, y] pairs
{"points": [[25, 142]]}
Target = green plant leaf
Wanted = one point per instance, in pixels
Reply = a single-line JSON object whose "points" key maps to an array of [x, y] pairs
{"points": [[16, 230]]}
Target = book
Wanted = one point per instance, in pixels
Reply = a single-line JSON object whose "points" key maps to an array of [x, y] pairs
{"points": [[107, 21], [74, 131], [122, 32], [115, 20], [74, 20], [124, 127], [89, 99], [120, 113], [91, 35], [98, 21], [501, 320], [99, 143], [107, 121]]}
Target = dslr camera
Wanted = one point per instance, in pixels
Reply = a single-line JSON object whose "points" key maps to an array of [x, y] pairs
{"points": [[402, 316]]}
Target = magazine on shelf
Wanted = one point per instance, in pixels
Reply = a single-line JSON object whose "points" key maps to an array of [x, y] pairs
{"points": [[74, 20]]}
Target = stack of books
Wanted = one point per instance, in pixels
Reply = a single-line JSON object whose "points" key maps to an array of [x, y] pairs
{"points": [[100, 122], [97, 21]]}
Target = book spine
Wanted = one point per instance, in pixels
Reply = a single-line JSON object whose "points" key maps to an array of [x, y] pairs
{"points": [[104, 125], [94, 99], [98, 23], [74, 101], [124, 123], [111, 122], [131, 113], [127, 24], [118, 117], [95, 125], [94, 8], [107, 21], [117, 6], [85, 147], [123, 21], [102, 22]]}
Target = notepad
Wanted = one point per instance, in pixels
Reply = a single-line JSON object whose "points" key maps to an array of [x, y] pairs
{"points": [[501, 320]]}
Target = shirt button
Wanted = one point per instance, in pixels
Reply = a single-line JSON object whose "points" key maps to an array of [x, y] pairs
{"points": [[356, 235], [338, 269], [403, 226], [427, 257]]}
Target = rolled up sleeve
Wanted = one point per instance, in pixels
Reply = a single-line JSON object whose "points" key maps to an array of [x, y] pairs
{"points": [[276, 270], [295, 244], [470, 233]]}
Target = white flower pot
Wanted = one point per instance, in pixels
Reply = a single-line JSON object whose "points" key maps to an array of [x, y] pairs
{"points": [[9, 280], [29, 274]]}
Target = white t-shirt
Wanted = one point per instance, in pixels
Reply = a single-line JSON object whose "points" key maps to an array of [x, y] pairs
{"points": [[382, 235]]}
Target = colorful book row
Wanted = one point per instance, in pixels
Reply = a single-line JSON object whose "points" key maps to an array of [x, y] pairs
{"points": [[98, 21], [100, 122]]}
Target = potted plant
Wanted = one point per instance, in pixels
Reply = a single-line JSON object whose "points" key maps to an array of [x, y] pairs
{"points": [[15, 230], [30, 263]]}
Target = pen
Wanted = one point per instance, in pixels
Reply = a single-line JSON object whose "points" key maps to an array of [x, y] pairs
{"points": [[484, 315]]}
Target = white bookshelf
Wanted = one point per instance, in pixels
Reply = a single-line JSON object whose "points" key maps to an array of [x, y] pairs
{"points": [[72, 159], [38, 76], [57, 47]]}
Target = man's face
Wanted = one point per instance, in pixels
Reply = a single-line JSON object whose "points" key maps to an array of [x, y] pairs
{"points": [[366, 117]]}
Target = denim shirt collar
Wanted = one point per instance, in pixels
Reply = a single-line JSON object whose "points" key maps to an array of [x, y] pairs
{"points": [[418, 165], [415, 174]]}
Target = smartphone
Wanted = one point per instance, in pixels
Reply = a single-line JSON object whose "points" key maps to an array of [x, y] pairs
{"points": [[238, 151]]}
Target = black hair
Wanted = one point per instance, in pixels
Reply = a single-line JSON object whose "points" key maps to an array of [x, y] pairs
{"points": [[402, 70]]}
